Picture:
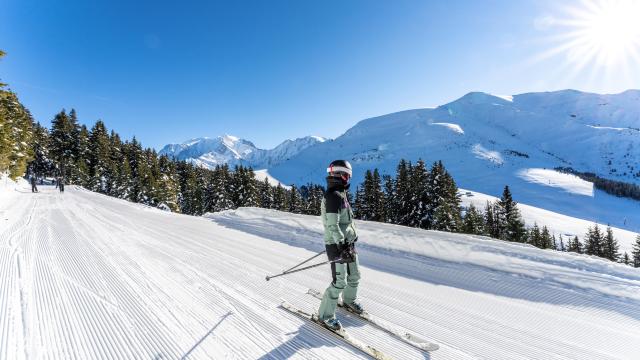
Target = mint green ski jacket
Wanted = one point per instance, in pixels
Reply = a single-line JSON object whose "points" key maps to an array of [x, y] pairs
{"points": [[337, 218]]}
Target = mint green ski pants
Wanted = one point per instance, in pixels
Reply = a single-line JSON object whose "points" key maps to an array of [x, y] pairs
{"points": [[345, 280]]}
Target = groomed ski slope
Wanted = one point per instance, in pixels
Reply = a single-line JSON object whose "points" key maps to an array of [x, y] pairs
{"points": [[85, 276]]}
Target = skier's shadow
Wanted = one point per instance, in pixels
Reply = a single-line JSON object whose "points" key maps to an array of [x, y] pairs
{"points": [[310, 336]]}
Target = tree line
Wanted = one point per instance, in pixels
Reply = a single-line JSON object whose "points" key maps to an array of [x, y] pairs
{"points": [[429, 199]]}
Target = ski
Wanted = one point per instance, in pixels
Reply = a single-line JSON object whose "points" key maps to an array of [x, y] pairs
{"points": [[342, 333], [409, 338]]}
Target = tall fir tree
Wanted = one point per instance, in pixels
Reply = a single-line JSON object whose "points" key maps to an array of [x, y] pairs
{"points": [[491, 225], [546, 240], [403, 193], [295, 200], [360, 209], [42, 164], [64, 137], [280, 198], [422, 208], [625, 259], [99, 159], [80, 172], [473, 222], [448, 216], [593, 242], [167, 183], [266, 194], [635, 252], [375, 197], [535, 236], [610, 247], [222, 199], [575, 245], [510, 223], [390, 208]]}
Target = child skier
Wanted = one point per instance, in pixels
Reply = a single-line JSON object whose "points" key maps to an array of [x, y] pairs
{"points": [[340, 236]]}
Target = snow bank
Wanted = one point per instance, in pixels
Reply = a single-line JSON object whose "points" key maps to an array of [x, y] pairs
{"points": [[575, 271]]}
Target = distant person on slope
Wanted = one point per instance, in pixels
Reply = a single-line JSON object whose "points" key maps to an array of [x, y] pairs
{"points": [[340, 237], [61, 184], [34, 188]]}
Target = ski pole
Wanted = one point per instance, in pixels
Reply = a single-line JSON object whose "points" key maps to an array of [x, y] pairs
{"points": [[301, 269], [306, 261]]}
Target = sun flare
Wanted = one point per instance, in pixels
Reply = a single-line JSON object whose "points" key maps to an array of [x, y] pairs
{"points": [[605, 32]]}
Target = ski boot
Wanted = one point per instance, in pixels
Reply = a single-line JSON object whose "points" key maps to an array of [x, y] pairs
{"points": [[354, 307], [332, 324]]}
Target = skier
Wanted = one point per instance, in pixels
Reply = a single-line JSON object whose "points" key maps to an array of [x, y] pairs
{"points": [[61, 184], [340, 237], [34, 188]]}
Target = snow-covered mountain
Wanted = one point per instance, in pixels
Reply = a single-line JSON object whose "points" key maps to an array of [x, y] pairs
{"points": [[227, 149], [489, 141], [486, 142]]}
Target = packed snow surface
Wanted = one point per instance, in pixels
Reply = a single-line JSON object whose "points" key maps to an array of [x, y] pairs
{"points": [[85, 276]]}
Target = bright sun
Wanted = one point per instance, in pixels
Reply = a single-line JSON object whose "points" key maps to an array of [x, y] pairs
{"points": [[605, 32]]}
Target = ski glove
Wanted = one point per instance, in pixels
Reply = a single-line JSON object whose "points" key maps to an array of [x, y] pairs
{"points": [[348, 253]]}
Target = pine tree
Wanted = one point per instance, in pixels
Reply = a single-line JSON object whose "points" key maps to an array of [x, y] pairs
{"points": [[222, 199], [64, 137], [251, 198], [80, 172], [610, 246], [266, 194], [295, 201], [546, 241], [167, 184], [625, 259], [562, 247], [635, 252], [41, 165], [360, 210], [375, 197], [448, 215], [389, 202], [575, 245], [403, 193], [280, 198], [473, 222], [593, 241], [491, 227], [16, 134], [509, 222], [99, 158], [116, 160], [535, 236], [312, 196]]}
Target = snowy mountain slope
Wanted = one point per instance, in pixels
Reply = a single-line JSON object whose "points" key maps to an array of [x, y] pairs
{"points": [[91, 277], [487, 142], [227, 149]]}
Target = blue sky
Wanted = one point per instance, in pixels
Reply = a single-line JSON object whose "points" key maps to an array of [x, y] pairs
{"points": [[271, 70]]}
